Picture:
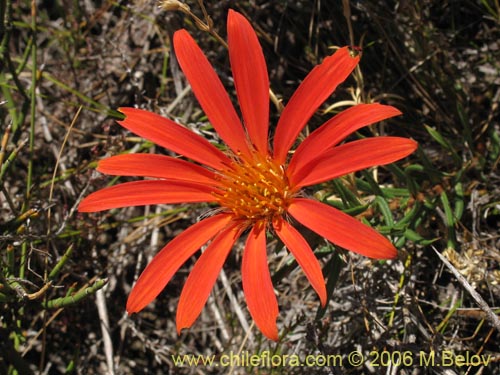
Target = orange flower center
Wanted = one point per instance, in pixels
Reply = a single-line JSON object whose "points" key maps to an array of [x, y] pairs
{"points": [[254, 190]]}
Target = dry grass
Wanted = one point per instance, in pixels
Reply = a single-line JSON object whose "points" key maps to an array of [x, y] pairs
{"points": [[66, 67]]}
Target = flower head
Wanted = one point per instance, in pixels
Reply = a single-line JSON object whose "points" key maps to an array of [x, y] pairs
{"points": [[257, 187]]}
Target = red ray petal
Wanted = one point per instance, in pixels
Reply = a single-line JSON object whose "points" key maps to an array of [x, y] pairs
{"points": [[338, 128], [304, 255], [250, 78], [313, 91], [172, 136], [341, 229], [152, 165], [202, 277], [351, 157], [165, 264], [210, 92], [140, 193], [257, 284]]}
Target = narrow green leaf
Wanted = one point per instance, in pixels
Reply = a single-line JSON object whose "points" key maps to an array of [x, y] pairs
{"points": [[347, 196], [450, 221], [386, 211], [459, 201], [443, 142], [332, 271]]}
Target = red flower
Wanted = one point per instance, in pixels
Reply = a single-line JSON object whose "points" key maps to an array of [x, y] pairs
{"points": [[257, 188]]}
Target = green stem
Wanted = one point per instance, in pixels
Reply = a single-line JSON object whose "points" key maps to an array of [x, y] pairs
{"points": [[29, 177], [78, 296], [57, 268]]}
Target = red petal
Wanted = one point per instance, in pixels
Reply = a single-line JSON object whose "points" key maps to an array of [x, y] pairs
{"points": [[250, 78], [166, 263], [257, 284], [304, 255], [341, 229], [210, 92], [202, 277], [172, 136], [338, 128], [314, 90], [141, 193], [160, 166], [351, 157]]}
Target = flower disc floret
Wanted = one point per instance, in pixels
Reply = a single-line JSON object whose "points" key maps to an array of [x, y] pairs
{"points": [[254, 190]]}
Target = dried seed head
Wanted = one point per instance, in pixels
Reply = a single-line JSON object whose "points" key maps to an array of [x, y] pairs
{"points": [[173, 5]]}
